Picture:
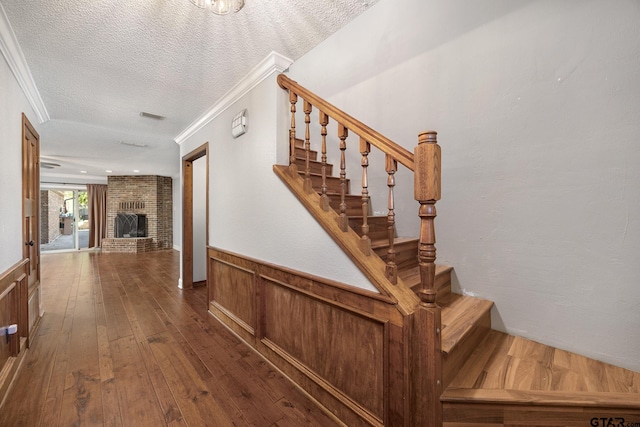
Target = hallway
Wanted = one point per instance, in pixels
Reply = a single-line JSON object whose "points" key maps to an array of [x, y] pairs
{"points": [[120, 344]]}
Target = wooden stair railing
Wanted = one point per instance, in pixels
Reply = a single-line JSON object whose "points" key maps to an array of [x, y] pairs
{"points": [[425, 165], [426, 176]]}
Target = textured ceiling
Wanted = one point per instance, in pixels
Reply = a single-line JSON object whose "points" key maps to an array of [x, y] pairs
{"points": [[98, 64]]}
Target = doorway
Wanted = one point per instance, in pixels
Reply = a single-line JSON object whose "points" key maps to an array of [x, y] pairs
{"points": [[64, 218], [195, 204]]}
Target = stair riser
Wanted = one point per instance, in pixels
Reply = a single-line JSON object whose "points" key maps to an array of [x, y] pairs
{"points": [[443, 288], [472, 413], [454, 361], [406, 254], [354, 204], [377, 226], [301, 154], [333, 183], [316, 167]]}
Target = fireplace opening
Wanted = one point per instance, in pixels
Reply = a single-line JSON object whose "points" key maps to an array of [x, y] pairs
{"points": [[130, 225]]}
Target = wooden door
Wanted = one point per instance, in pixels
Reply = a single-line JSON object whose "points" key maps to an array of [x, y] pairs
{"points": [[31, 216], [187, 212]]}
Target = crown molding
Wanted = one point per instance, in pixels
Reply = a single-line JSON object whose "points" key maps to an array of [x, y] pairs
{"points": [[274, 62], [15, 59]]}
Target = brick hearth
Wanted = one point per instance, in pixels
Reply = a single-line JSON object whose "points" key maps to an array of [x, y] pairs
{"points": [[128, 244]]}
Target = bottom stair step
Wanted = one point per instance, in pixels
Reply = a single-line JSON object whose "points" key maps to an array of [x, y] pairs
{"points": [[509, 376]]}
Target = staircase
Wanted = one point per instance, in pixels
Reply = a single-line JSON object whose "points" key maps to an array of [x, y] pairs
{"points": [[481, 376], [465, 320]]}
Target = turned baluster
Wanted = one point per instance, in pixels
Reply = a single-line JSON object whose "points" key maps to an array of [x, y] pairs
{"points": [[324, 198], [293, 99], [365, 241], [391, 271], [427, 193], [307, 148], [343, 221]]}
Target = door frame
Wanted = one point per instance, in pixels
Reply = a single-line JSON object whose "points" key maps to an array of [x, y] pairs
{"points": [[187, 211], [31, 175]]}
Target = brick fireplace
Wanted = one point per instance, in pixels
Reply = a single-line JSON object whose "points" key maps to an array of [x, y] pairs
{"points": [[148, 196]]}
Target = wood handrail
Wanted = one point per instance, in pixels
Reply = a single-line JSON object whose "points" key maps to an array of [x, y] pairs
{"points": [[399, 153]]}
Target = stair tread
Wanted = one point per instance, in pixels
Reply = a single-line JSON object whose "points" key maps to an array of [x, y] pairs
{"points": [[302, 149], [333, 193], [300, 153], [459, 317], [314, 165], [411, 276], [311, 160], [320, 176], [375, 244], [513, 370]]}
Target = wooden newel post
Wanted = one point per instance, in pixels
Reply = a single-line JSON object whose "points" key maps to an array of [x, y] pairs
{"points": [[427, 340], [427, 193]]}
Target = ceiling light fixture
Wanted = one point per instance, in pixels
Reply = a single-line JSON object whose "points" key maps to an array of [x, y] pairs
{"points": [[220, 7]]}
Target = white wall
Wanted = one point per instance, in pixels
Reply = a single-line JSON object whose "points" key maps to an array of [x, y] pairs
{"points": [[537, 105], [12, 104], [251, 212], [199, 168]]}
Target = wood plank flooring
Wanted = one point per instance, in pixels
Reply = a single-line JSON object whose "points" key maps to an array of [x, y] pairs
{"points": [[121, 345]]}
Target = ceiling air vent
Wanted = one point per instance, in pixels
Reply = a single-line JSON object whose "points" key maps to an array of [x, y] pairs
{"points": [[151, 116], [49, 165], [133, 144]]}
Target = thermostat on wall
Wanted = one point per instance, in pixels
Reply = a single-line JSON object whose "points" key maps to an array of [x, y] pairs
{"points": [[239, 124]]}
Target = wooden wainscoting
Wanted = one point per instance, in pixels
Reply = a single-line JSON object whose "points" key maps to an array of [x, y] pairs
{"points": [[13, 311], [344, 346]]}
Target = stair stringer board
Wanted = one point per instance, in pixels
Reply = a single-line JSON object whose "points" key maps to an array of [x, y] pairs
{"points": [[372, 266]]}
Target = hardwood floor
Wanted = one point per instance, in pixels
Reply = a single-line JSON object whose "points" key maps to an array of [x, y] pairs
{"points": [[121, 345]]}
